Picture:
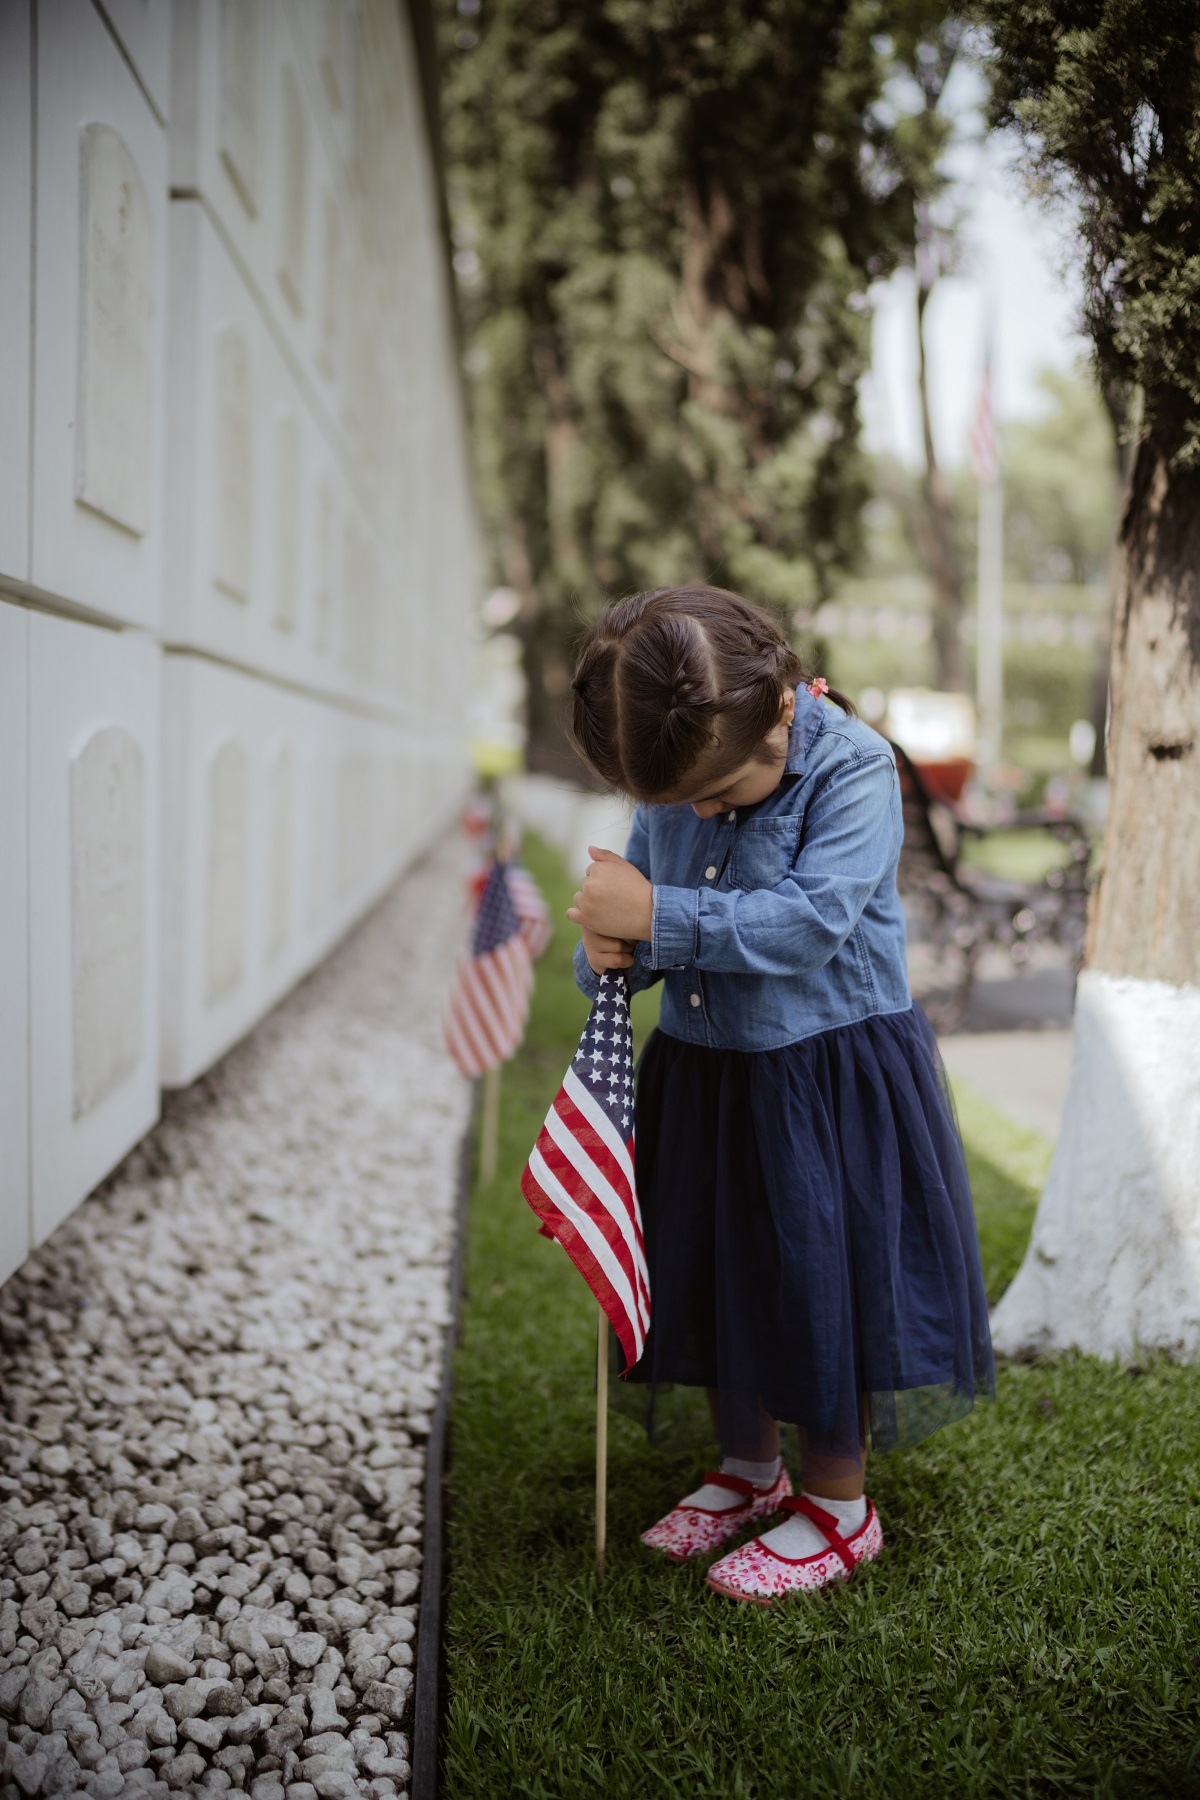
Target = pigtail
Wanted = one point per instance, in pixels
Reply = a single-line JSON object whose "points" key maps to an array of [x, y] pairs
{"points": [[678, 679]]}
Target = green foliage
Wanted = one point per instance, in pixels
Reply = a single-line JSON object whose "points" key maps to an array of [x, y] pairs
{"points": [[1060, 486], [1106, 94], [1031, 1628], [676, 207]]}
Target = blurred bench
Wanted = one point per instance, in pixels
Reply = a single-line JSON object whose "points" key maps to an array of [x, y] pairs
{"points": [[959, 911]]}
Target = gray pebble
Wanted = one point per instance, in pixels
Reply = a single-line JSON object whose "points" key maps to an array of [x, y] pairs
{"points": [[165, 1665]]}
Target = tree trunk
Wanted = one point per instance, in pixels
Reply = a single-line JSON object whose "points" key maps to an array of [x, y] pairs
{"points": [[1115, 1257], [936, 527]]}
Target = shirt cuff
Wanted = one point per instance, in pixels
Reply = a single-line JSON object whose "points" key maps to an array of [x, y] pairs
{"points": [[586, 978], [675, 927]]}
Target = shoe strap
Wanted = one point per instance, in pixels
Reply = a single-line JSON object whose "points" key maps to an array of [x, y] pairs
{"points": [[825, 1523], [737, 1484]]}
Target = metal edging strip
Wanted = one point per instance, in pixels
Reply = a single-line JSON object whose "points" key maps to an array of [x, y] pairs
{"points": [[427, 1703]]}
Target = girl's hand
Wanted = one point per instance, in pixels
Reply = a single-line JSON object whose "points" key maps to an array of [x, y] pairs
{"points": [[606, 952], [615, 901]]}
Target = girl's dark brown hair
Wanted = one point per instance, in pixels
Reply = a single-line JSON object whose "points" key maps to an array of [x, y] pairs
{"points": [[678, 678]]}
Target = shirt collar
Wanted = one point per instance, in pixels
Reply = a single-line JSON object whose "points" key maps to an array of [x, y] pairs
{"points": [[807, 720]]}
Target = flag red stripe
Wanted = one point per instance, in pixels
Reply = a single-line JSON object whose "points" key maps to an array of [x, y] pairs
{"points": [[576, 1184], [630, 1334], [597, 1152]]}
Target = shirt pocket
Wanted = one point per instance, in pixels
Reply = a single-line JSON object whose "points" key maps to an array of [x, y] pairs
{"points": [[764, 852]]}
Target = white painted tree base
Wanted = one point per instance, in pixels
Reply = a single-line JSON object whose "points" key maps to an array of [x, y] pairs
{"points": [[1114, 1262]]}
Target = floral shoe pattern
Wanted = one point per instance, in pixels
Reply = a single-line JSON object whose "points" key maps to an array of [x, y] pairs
{"points": [[757, 1573], [689, 1531]]}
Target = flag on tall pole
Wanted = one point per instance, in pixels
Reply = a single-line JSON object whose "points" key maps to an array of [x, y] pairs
{"points": [[989, 586], [490, 1000], [579, 1179]]}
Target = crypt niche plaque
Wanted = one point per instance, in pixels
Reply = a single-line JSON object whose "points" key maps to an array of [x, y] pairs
{"points": [[326, 561], [287, 521], [234, 473], [293, 248], [114, 438], [228, 785], [109, 908], [241, 85]]}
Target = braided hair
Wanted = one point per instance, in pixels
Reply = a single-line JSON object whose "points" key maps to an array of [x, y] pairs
{"points": [[678, 681]]}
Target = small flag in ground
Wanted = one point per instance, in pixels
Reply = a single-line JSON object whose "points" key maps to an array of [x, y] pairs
{"points": [[490, 1001], [532, 910], [579, 1179]]}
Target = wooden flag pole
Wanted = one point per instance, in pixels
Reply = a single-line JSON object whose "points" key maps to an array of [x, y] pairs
{"points": [[601, 1441], [489, 1133]]}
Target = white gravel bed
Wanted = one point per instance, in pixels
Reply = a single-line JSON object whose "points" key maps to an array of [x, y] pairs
{"points": [[217, 1380]]}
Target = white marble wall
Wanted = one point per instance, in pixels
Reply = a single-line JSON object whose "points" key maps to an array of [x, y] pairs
{"points": [[15, 1223], [94, 861], [238, 559]]}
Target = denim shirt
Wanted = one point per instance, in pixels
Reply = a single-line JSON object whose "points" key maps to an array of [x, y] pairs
{"points": [[778, 920]]}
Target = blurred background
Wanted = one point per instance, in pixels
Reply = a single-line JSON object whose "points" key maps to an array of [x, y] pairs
{"points": [[766, 302], [734, 318]]}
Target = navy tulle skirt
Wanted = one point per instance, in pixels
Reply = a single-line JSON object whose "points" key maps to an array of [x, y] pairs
{"points": [[810, 1236]]}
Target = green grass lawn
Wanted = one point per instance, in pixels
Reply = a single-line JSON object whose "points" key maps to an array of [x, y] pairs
{"points": [[1032, 1628]]}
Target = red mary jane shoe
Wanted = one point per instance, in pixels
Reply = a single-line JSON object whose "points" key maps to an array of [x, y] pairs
{"points": [[689, 1531], [755, 1572]]}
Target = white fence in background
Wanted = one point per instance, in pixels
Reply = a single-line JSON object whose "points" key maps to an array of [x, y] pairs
{"points": [[239, 565]]}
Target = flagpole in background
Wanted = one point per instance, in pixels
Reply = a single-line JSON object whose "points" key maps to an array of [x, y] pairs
{"points": [[989, 585], [601, 1441]]}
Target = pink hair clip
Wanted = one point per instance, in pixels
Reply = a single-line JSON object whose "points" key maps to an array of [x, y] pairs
{"points": [[818, 686]]}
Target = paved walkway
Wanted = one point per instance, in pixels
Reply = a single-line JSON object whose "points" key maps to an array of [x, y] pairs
{"points": [[217, 1381], [1014, 1046], [1023, 1073]]}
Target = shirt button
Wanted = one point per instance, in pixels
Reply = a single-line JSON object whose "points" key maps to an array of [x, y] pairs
{"points": [[695, 999], [710, 871], [733, 818]]}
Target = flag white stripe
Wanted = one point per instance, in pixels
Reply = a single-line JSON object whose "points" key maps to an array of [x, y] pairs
{"points": [[466, 1015], [603, 1125], [461, 1032], [592, 1236], [616, 1205], [598, 1119]]}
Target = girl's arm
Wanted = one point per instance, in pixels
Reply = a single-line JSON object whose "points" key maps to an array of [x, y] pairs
{"points": [[851, 839], [643, 973]]}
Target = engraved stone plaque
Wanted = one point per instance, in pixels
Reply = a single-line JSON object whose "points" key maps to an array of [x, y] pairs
{"points": [[279, 879], [115, 427], [234, 549], [287, 522], [332, 55], [293, 247], [331, 280], [108, 844], [241, 63], [358, 601], [326, 561], [227, 827]]}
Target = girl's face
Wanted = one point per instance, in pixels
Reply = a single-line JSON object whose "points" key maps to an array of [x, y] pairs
{"points": [[752, 782]]}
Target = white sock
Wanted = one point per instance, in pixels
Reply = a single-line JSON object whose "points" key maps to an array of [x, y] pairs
{"points": [[798, 1536], [719, 1499]]}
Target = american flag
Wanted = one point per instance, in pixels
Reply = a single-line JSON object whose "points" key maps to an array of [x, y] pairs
{"points": [[532, 911], [490, 1000], [985, 450], [579, 1178], [533, 915]]}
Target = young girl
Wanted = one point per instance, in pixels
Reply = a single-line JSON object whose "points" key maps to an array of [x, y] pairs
{"points": [[808, 1220]]}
